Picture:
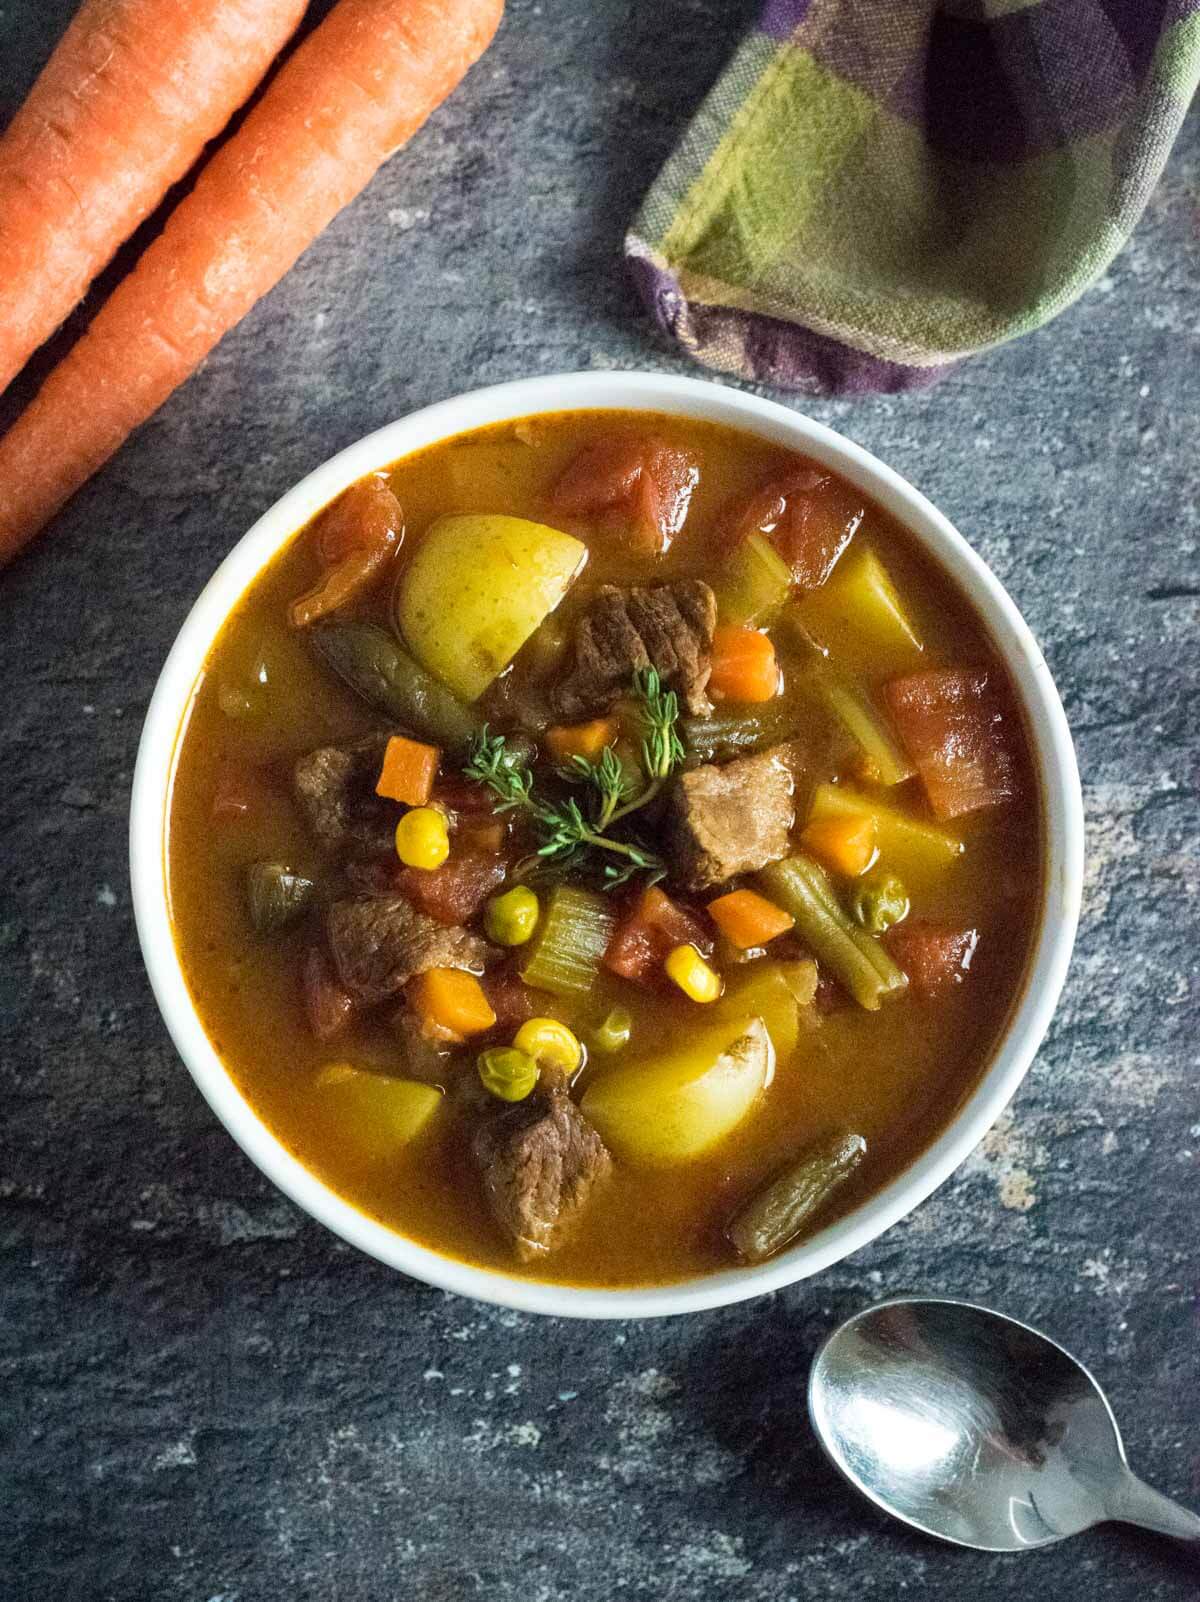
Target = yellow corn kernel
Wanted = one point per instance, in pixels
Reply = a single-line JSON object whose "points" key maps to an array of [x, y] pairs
{"points": [[693, 975], [422, 839], [549, 1042]]}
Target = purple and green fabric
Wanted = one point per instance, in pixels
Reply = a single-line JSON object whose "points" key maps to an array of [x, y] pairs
{"points": [[875, 189]]}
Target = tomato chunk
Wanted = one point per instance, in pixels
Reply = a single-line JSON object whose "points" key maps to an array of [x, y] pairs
{"points": [[327, 1006], [641, 485], [454, 892], [935, 956], [462, 799], [648, 934], [356, 537], [808, 518], [366, 517], [956, 730], [510, 999]]}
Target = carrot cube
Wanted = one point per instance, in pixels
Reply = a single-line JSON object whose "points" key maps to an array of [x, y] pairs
{"points": [[747, 919], [743, 665], [567, 740], [451, 1000], [409, 769], [844, 844]]}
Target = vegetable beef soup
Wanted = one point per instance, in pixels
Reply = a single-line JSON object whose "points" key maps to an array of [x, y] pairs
{"points": [[604, 847]]}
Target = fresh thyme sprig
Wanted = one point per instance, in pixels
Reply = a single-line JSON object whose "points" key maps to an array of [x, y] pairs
{"points": [[493, 764], [566, 831]]}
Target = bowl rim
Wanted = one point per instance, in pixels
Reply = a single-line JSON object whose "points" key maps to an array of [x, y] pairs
{"points": [[1048, 732]]}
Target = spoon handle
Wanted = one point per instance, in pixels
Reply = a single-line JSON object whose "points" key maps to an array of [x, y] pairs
{"points": [[1134, 1502]]}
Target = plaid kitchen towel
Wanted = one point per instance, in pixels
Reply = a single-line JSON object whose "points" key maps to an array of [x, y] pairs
{"points": [[875, 189]]}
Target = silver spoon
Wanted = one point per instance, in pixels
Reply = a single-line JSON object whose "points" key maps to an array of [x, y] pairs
{"points": [[975, 1428]]}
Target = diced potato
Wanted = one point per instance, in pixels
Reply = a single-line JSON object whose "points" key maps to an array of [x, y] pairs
{"points": [[918, 851], [476, 588], [373, 1113], [859, 618], [776, 992], [675, 1108]]}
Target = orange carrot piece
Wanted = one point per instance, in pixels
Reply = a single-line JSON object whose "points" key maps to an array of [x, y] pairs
{"points": [[845, 844], [747, 919], [409, 769], [449, 999], [124, 107], [355, 91], [743, 665], [567, 740]]}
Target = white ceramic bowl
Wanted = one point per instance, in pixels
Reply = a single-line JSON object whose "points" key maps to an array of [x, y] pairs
{"points": [[1053, 753]]}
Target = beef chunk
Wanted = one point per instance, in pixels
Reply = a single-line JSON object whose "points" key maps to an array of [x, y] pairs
{"points": [[669, 628], [334, 788], [731, 819], [423, 1056], [539, 1162], [379, 943]]}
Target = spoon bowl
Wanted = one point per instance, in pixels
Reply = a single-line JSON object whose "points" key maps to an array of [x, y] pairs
{"points": [[975, 1428]]}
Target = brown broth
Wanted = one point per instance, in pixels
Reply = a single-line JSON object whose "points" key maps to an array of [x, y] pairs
{"points": [[897, 1076]]}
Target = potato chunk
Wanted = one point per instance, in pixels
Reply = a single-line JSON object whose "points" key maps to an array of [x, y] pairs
{"points": [[677, 1107], [476, 588]]}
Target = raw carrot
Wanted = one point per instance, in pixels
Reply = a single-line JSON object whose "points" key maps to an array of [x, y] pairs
{"points": [[743, 665], [357, 88], [123, 108], [567, 740], [747, 919]]}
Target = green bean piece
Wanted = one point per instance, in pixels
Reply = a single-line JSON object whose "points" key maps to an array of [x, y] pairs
{"points": [[565, 953], [511, 918], [613, 1034], [275, 896], [507, 1073], [894, 978], [879, 901], [378, 668], [732, 734], [768, 1221], [801, 887]]}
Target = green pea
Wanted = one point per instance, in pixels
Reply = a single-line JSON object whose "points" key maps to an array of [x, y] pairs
{"points": [[879, 901], [613, 1034], [511, 918], [508, 1073]]}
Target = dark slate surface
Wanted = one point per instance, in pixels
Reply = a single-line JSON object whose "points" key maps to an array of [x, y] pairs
{"points": [[208, 1397]]}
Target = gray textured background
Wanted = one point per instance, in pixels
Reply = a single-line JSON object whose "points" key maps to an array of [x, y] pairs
{"points": [[207, 1397]]}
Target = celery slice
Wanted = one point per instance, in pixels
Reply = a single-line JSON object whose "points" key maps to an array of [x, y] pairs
{"points": [[753, 584], [802, 888], [565, 954], [864, 723]]}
